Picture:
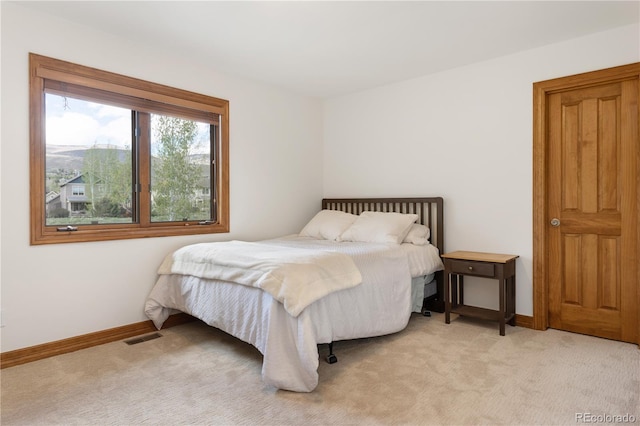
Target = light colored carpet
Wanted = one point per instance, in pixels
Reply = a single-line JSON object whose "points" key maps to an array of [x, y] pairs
{"points": [[430, 373]]}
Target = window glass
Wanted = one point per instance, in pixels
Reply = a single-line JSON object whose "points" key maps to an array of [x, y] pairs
{"points": [[181, 160], [88, 172]]}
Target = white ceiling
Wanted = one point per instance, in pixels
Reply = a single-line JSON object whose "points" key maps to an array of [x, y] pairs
{"points": [[330, 48]]}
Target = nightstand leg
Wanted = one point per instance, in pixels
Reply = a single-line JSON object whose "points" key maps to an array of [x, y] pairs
{"points": [[512, 299], [503, 285], [447, 300]]}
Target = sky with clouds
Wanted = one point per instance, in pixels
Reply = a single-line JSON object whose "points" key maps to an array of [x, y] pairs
{"points": [[77, 122]]}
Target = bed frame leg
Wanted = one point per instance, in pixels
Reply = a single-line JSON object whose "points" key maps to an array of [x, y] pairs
{"points": [[331, 358]]}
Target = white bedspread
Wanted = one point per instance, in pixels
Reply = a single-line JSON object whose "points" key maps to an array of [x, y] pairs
{"points": [[294, 276], [380, 305]]}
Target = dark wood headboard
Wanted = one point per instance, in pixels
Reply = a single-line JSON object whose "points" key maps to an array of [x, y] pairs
{"points": [[430, 211]]}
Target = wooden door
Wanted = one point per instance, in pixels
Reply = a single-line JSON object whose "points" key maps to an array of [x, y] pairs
{"points": [[592, 155]]}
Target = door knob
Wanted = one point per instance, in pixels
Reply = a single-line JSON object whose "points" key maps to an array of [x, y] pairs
{"points": [[555, 222]]}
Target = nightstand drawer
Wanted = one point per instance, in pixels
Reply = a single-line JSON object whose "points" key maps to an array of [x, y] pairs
{"points": [[472, 268]]}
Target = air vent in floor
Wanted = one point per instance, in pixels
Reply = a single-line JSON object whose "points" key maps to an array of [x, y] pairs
{"points": [[141, 339]]}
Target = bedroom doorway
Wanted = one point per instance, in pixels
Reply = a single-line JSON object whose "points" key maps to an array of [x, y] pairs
{"points": [[586, 204]]}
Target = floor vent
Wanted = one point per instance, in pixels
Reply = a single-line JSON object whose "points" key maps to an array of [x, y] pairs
{"points": [[141, 339]]}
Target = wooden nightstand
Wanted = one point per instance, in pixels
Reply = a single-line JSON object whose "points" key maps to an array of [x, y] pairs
{"points": [[488, 265]]}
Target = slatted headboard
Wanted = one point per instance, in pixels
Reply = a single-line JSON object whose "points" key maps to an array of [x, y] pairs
{"points": [[429, 211]]}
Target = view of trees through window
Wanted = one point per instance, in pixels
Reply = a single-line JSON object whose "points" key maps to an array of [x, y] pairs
{"points": [[92, 168], [180, 180]]}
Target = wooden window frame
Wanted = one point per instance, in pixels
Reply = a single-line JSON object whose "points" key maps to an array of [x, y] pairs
{"points": [[42, 70]]}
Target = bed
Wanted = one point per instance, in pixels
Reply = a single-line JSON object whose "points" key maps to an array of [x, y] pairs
{"points": [[374, 270]]}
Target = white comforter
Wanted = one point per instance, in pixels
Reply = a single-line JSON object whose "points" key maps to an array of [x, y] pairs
{"points": [[380, 305], [295, 277]]}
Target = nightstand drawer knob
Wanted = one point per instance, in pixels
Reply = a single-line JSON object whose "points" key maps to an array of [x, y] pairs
{"points": [[471, 268]]}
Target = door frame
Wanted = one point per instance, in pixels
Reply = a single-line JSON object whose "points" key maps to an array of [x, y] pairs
{"points": [[540, 151]]}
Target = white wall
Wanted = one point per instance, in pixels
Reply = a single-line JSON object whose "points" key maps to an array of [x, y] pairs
{"points": [[464, 134], [54, 292]]}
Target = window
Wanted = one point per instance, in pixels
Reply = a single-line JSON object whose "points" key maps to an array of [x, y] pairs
{"points": [[113, 157]]}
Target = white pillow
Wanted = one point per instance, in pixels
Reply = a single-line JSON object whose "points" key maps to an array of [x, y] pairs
{"points": [[418, 235], [379, 227], [328, 224]]}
